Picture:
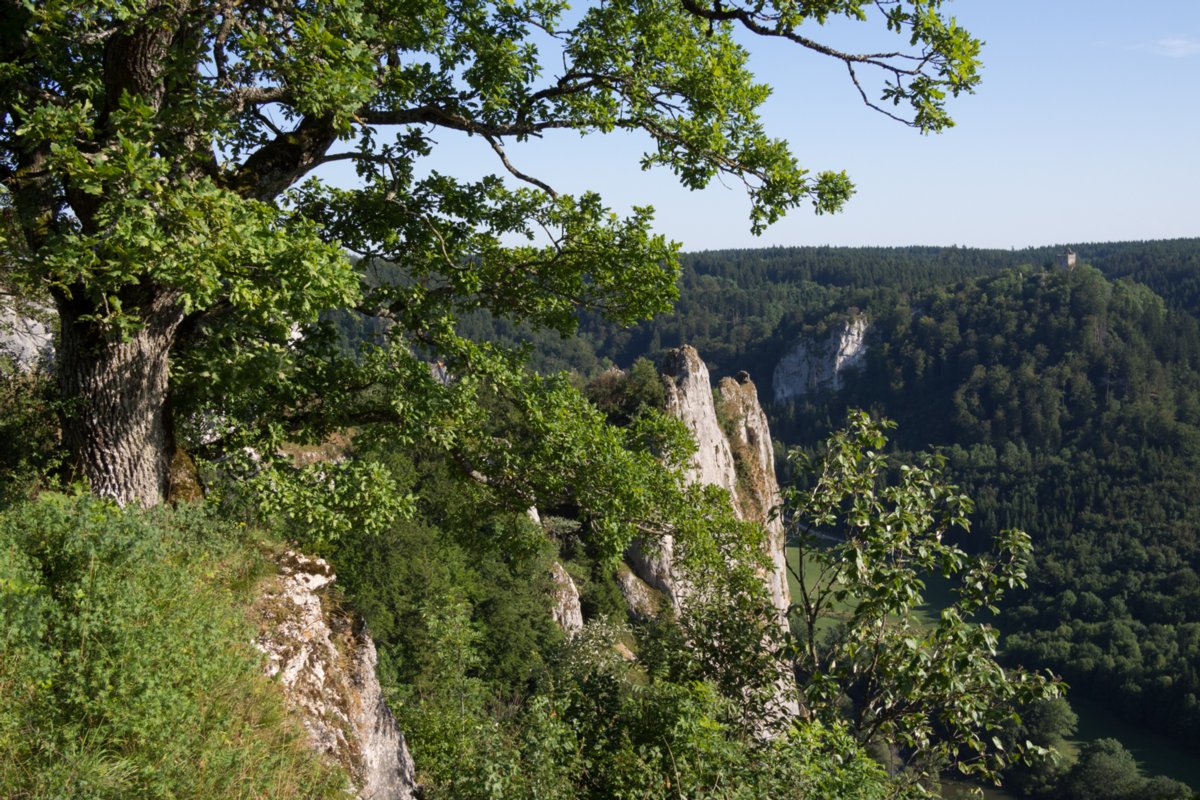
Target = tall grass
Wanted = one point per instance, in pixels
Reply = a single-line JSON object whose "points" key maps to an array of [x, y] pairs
{"points": [[126, 664]]}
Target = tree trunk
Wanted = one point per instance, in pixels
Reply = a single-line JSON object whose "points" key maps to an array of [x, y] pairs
{"points": [[116, 424]]}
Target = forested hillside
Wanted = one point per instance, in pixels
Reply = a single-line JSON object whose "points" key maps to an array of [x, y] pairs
{"points": [[1067, 402], [738, 307], [563, 605], [1067, 405]]}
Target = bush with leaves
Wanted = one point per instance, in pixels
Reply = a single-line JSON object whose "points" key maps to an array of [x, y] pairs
{"points": [[29, 435], [622, 395], [640, 734], [934, 695]]}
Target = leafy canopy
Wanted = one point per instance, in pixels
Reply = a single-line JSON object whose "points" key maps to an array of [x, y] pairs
{"points": [[153, 156], [151, 140]]}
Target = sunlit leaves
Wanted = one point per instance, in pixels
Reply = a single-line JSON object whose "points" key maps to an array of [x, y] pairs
{"points": [[868, 546]]}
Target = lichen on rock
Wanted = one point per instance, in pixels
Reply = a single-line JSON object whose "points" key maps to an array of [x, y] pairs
{"points": [[24, 335]]}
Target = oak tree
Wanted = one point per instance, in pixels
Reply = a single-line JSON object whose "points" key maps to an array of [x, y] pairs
{"points": [[153, 156]]}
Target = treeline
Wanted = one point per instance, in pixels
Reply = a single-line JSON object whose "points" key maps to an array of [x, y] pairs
{"points": [[1067, 405], [737, 307], [1066, 402], [734, 305]]}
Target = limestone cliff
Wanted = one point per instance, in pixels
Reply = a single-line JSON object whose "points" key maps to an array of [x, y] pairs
{"points": [[819, 365], [734, 452], [567, 612], [690, 398], [758, 495], [741, 461], [326, 665]]}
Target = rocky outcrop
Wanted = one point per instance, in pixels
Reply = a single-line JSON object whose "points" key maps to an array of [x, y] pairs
{"points": [[566, 609], [734, 452], [812, 366], [758, 489], [653, 567], [564, 599], [387, 771], [642, 599], [690, 399], [25, 338], [741, 461], [326, 666]]}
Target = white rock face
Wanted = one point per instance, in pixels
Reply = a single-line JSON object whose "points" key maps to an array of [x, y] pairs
{"points": [[689, 398], [653, 568], [23, 337], [387, 771], [566, 610], [759, 498], [815, 366], [327, 669]]}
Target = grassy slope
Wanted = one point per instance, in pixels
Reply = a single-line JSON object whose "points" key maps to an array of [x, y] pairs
{"points": [[126, 666]]}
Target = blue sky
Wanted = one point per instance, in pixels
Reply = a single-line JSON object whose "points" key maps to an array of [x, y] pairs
{"points": [[1086, 128]]}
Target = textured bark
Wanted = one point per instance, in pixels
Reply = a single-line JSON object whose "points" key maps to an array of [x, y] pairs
{"points": [[117, 423], [281, 162]]}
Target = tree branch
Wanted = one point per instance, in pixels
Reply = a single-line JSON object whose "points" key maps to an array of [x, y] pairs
{"points": [[516, 172], [863, 94], [285, 159], [753, 22], [442, 118], [246, 96]]}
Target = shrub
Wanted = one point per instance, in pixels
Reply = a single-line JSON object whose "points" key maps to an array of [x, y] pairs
{"points": [[29, 436], [126, 668]]}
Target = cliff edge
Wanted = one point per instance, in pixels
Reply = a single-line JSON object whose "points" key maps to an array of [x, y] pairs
{"points": [[734, 452], [814, 365], [326, 665]]}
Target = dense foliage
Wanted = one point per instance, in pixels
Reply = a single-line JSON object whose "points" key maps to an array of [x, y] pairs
{"points": [[28, 429], [152, 154], [1065, 402], [497, 703], [1067, 405], [934, 696], [739, 307]]}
